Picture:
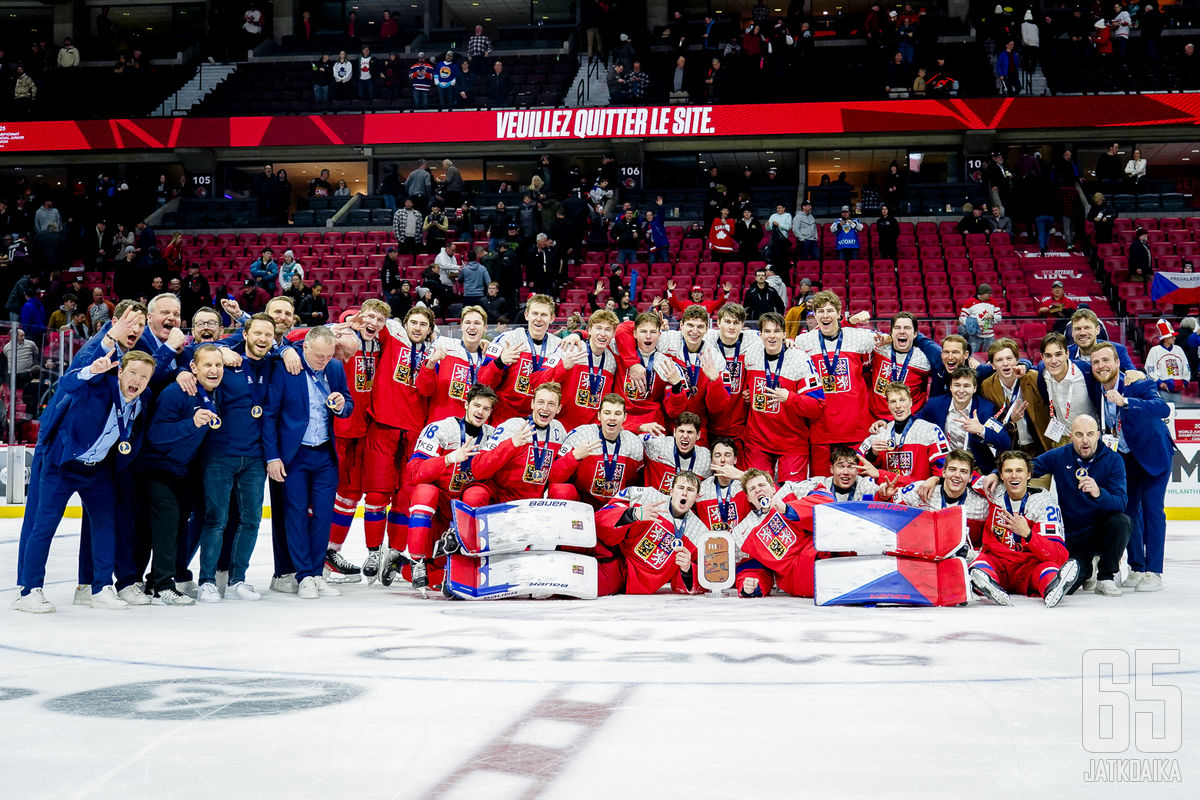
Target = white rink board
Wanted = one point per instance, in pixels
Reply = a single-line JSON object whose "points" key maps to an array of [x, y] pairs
{"points": [[379, 694]]}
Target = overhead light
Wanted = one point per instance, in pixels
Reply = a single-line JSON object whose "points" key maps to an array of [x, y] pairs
{"points": [[1196, 151], [1185, 158]]}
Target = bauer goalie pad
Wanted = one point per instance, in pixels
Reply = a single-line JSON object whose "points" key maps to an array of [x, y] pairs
{"points": [[868, 528], [886, 580], [533, 574], [523, 525]]}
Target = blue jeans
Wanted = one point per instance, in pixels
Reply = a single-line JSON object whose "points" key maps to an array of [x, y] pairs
{"points": [[660, 255], [626, 255], [445, 96], [222, 475], [809, 250], [320, 93], [420, 99], [366, 90], [1044, 223]]}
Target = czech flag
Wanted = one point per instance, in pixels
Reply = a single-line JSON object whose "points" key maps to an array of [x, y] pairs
{"points": [[1182, 288]]}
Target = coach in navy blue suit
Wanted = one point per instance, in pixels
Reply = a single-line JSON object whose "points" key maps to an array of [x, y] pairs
{"points": [[1132, 416], [299, 445], [968, 420], [95, 435]]}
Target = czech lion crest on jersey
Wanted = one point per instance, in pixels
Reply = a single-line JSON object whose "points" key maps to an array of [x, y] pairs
{"points": [[584, 396], [656, 547], [763, 401], [460, 381], [407, 366], [364, 372], [602, 486], [839, 381], [524, 374], [631, 390], [534, 474], [776, 536], [900, 462]]}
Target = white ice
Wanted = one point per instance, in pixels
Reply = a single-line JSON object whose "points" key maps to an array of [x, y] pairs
{"points": [[382, 694]]}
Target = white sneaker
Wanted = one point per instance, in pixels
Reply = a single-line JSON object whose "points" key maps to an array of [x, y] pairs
{"points": [[222, 578], [1108, 588], [108, 600], [208, 593], [1132, 580], [35, 602], [325, 590], [1089, 585], [171, 597], [284, 583], [1151, 582], [134, 596], [187, 587], [308, 589], [241, 591], [83, 596]]}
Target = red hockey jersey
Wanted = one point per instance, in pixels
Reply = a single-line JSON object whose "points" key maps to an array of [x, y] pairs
{"points": [[515, 384], [447, 382], [916, 451], [911, 368], [649, 546], [600, 477], [397, 400], [428, 461], [782, 427], [518, 473], [839, 364], [662, 462]]}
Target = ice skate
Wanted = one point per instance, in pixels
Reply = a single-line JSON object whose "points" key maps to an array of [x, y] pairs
{"points": [[986, 585], [1057, 589], [370, 567], [420, 580], [338, 568]]}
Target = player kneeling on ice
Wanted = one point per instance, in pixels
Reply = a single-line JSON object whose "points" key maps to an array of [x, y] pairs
{"points": [[1023, 549], [654, 536], [775, 539]]}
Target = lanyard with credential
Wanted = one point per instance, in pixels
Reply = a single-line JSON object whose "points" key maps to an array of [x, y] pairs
{"points": [[473, 362], [258, 390], [679, 463], [610, 464], [693, 370], [1066, 381], [904, 431], [462, 439]]}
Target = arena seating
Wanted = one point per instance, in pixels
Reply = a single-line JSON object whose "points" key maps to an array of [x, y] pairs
{"points": [[98, 93]]}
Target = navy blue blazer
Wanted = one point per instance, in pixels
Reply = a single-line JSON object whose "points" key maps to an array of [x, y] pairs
{"points": [[83, 410], [1122, 354], [287, 415], [937, 408], [1143, 421]]}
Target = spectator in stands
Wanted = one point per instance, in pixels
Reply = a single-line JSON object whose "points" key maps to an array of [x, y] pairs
{"points": [[1141, 261], [24, 93], [406, 226], [419, 186], [342, 190], [978, 319], [628, 235], [445, 77], [498, 225], [253, 299], [101, 309], [452, 185], [314, 306], [25, 352], [498, 88], [1008, 70], [974, 222], [196, 293], [61, 317], [618, 84], [761, 298], [435, 229], [999, 181], [1109, 169], [289, 267], [1189, 67], [543, 266], [638, 83], [999, 222], [942, 82], [368, 70], [353, 34], [748, 233], [261, 189], [528, 221], [296, 289], [495, 305], [265, 270], [887, 231], [897, 77], [320, 186], [389, 30], [475, 278], [1102, 216], [714, 82], [401, 300], [79, 327], [478, 48], [804, 228], [307, 34], [1135, 169], [623, 53], [68, 55], [464, 90], [1150, 23], [343, 74], [45, 216], [395, 75], [281, 198], [251, 26], [845, 231], [658, 246], [33, 314], [1121, 25], [322, 79], [1058, 306], [594, 17]]}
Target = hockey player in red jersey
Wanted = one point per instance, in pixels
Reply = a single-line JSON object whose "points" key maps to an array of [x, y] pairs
{"points": [[439, 470], [952, 488], [784, 397], [696, 298], [899, 360], [453, 365], [846, 481], [516, 459], [398, 411], [1023, 547], [839, 355], [516, 357], [639, 374], [656, 535], [666, 456], [906, 448], [722, 503], [775, 539], [697, 379], [351, 437], [586, 371], [598, 460], [733, 343]]}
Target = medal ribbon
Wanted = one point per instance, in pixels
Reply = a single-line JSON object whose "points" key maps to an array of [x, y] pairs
{"points": [[831, 368], [610, 464]]}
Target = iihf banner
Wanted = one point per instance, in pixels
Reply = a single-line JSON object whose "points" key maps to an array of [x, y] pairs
{"points": [[1176, 287], [698, 121]]}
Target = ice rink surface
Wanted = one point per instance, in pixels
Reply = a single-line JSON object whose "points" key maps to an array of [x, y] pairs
{"points": [[382, 694]]}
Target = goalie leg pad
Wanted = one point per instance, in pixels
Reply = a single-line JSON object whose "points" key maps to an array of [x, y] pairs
{"points": [[524, 525], [874, 580], [869, 528], [522, 575]]}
